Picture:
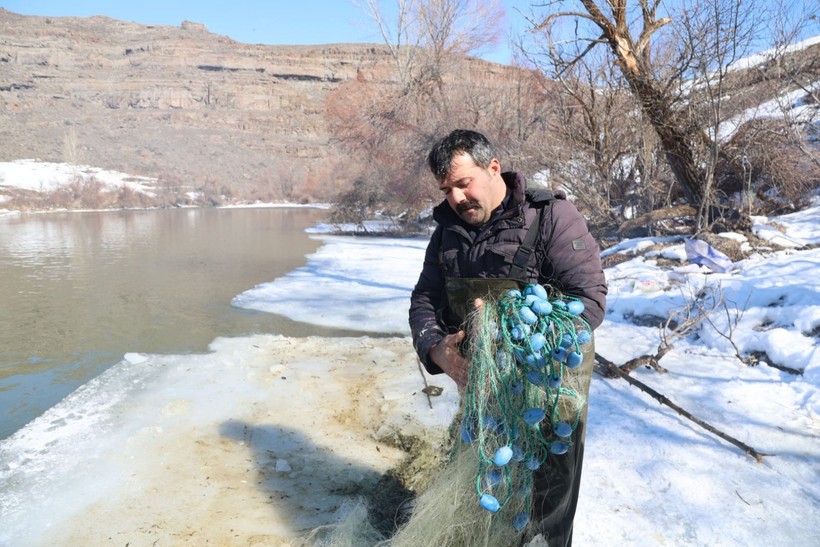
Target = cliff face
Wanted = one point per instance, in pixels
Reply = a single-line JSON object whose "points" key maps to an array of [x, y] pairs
{"points": [[177, 103]]}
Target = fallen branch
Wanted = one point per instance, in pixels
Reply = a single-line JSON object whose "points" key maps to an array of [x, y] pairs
{"points": [[611, 369], [632, 364]]}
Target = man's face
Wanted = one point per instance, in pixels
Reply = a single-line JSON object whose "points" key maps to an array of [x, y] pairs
{"points": [[472, 191]]}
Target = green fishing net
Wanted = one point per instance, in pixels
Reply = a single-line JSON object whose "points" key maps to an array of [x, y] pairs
{"points": [[525, 397], [521, 403]]}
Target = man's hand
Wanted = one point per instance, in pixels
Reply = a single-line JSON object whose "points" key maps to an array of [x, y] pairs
{"points": [[446, 355]]}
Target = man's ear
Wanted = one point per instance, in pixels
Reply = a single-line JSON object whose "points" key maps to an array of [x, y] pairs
{"points": [[495, 166]]}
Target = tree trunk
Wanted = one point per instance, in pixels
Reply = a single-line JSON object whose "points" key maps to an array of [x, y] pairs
{"points": [[672, 133]]}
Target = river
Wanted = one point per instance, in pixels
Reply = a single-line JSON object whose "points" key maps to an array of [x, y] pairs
{"points": [[78, 290]]}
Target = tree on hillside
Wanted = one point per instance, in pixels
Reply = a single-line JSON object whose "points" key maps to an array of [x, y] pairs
{"points": [[674, 59], [388, 121], [424, 35], [594, 147]]}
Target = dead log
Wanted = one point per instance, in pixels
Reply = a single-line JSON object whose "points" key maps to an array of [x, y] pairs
{"points": [[612, 370]]}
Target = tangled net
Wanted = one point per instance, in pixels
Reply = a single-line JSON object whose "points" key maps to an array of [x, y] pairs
{"points": [[522, 402]]}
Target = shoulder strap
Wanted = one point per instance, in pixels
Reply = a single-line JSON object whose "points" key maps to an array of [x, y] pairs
{"points": [[537, 196], [540, 198], [522, 255]]}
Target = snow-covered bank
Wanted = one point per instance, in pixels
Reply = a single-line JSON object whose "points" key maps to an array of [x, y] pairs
{"points": [[351, 283], [39, 176], [266, 437], [44, 179], [158, 447]]}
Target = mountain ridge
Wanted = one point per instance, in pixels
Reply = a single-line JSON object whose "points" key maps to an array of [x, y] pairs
{"points": [[180, 104]]}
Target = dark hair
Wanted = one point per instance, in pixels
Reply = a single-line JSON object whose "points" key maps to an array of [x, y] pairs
{"points": [[460, 141]]}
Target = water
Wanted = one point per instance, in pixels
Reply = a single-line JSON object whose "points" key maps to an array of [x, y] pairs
{"points": [[79, 290]]}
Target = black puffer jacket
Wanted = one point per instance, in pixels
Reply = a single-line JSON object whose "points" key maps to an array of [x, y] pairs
{"points": [[566, 257]]}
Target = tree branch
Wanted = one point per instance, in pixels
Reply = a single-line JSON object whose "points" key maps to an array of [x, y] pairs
{"points": [[614, 369], [587, 49]]}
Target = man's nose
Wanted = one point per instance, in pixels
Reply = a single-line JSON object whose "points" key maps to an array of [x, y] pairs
{"points": [[457, 195]]}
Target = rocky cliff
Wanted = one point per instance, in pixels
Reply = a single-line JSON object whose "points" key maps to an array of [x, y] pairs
{"points": [[181, 104]]}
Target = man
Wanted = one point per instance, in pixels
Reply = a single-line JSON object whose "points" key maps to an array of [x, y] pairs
{"points": [[493, 234]]}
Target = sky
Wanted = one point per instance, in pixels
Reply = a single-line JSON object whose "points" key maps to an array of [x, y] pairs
{"points": [[263, 417], [262, 21]]}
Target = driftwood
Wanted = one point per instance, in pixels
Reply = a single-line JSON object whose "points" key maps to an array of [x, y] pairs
{"points": [[610, 369]]}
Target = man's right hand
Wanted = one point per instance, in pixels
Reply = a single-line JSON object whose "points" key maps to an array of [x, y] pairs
{"points": [[446, 355]]}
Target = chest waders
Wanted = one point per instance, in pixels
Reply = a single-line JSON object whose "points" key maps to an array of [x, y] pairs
{"points": [[462, 291], [557, 482]]}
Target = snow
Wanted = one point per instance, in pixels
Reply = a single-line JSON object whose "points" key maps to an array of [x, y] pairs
{"points": [[369, 293], [766, 56], [40, 176], [110, 460], [795, 104]]}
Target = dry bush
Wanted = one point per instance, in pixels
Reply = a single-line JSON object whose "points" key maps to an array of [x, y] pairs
{"points": [[128, 198], [210, 194], [357, 203], [777, 165], [170, 192]]}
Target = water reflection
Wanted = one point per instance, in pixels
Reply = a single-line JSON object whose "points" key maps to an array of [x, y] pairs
{"points": [[78, 290]]}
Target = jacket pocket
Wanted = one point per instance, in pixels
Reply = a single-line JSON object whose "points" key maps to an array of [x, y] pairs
{"points": [[502, 252]]}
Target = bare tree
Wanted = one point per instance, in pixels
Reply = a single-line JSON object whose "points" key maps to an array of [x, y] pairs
{"points": [[386, 122], [425, 34], [636, 34], [597, 153], [72, 149]]}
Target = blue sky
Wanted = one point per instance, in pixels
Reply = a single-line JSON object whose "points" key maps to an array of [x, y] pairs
{"points": [[251, 21]]}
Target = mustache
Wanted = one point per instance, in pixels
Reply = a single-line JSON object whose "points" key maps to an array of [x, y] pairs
{"points": [[465, 206]]}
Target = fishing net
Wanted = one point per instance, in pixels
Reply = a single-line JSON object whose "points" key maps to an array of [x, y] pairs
{"points": [[523, 400]]}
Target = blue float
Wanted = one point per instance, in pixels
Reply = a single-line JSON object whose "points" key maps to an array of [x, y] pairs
{"points": [[494, 477], [566, 341], [575, 307], [554, 381], [491, 423], [559, 354], [537, 341], [517, 387], [584, 336], [467, 434], [520, 520], [574, 359], [558, 448], [503, 456], [536, 377], [532, 463], [527, 315], [489, 503], [542, 307], [563, 429], [515, 293], [519, 332], [535, 360], [534, 416], [559, 304], [537, 290]]}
